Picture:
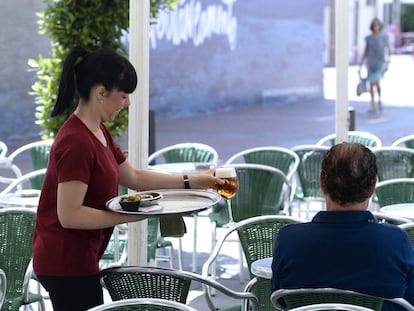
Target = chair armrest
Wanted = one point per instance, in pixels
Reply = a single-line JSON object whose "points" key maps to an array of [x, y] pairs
{"points": [[26, 281], [402, 302], [3, 286]]}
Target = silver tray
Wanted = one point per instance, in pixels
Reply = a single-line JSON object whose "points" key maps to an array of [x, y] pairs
{"points": [[173, 201]]}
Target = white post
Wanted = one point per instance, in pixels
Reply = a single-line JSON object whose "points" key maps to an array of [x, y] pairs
{"points": [[341, 61], [138, 116]]}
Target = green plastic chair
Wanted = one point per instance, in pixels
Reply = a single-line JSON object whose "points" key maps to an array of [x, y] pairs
{"points": [[394, 162], [389, 219], [331, 307], [39, 155], [185, 152], [16, 233], [22, 181], [365, 138], [308, 172], [409, 228], [153, 282], [263, 190], [257, 236], [143, 304], [395, 191], [405, 141], [286, 299], [281, 158]]}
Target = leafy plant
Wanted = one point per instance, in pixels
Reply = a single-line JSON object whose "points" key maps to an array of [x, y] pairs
{"points": [[92, 24], [407, 18]]}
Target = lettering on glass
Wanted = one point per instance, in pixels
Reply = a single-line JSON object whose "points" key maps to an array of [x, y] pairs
{"points": [[190, 21]]}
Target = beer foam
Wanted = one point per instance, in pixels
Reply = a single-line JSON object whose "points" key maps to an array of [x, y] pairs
{"points": [[225, 172]]}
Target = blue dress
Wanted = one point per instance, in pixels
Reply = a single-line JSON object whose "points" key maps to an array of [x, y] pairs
{"points": [[346, 250], [376, 56]]}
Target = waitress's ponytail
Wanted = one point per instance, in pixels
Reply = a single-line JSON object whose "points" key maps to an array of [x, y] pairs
{"points": [[66, 91]]}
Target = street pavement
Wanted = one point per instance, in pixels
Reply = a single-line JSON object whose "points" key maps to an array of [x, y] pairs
{"points": [[287, 125], [294, 123]]}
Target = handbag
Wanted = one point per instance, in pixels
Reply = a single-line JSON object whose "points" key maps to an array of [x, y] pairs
{"points": [[361, 86]]}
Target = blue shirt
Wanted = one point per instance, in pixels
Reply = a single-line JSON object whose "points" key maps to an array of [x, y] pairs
{"points": [[346, 250], [376, 50]]}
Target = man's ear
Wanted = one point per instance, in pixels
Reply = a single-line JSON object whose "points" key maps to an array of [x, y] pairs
{"points": [[322, 182], [372, 190]]}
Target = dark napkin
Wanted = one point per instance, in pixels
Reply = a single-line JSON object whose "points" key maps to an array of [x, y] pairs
{"points": [[172, 226]]}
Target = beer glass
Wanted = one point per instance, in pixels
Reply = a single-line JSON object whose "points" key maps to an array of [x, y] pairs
{"points": [[229, 189]]}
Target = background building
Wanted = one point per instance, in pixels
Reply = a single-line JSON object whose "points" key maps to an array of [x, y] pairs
{"points": [[208, 56]]}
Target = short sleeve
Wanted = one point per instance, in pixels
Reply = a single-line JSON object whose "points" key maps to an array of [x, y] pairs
{"points": [[74, 159]]}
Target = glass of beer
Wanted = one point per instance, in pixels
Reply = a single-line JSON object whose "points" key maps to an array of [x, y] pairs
{"points": [[229, 189]]}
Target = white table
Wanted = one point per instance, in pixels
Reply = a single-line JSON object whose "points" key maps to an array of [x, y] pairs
{"points": [[405, 210], [24, 198]]}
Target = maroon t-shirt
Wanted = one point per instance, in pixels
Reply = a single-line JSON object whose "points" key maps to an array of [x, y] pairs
{"points": [[76, 154]]}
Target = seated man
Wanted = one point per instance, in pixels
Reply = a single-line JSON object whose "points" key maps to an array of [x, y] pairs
{"points": [[345, 247]]}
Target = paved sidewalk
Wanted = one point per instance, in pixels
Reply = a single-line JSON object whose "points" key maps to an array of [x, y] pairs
{"points": [[290, 124]]}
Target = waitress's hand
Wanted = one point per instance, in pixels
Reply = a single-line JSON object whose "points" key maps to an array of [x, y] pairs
{"points": [[204, 180]]}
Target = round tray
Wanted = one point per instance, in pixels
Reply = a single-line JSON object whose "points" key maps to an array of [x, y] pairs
{"points": [[173, 201]]}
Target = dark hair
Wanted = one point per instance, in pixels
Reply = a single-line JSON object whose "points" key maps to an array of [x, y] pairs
{"points": [[349, 171], [375, 20], [82, 70]]}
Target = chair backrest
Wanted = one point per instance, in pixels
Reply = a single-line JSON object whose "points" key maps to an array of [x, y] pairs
{"points": [[144, 282], [154, 282], [143, 304], [405, 141], [281, 158], [16, 232], [257, 236], [39, 154], [286, 299], [185, 152], [365, 138], [395, 191], [331, 306], [394, 162], [309, 169], [389, 219], [3, 286], [263, 190], [23, 179]]}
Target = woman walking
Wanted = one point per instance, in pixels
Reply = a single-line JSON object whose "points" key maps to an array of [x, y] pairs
{"points": [[374, 53]]}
